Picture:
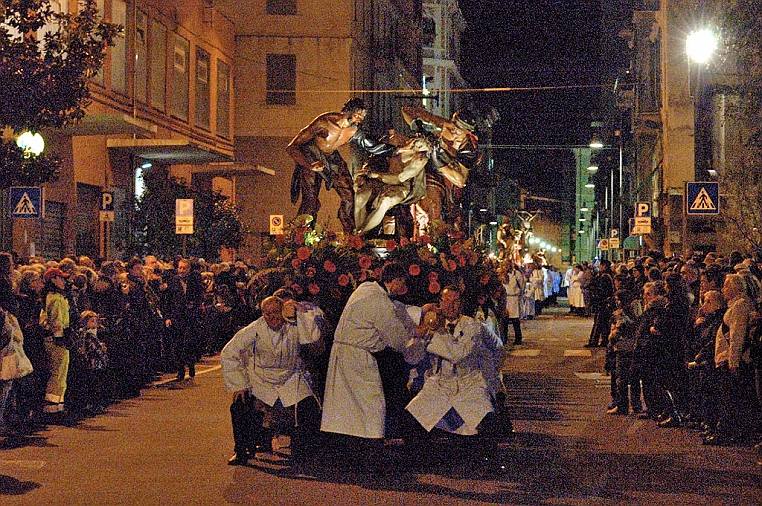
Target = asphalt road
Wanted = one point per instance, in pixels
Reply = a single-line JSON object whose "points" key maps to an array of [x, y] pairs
{"points": [[171, 445]]}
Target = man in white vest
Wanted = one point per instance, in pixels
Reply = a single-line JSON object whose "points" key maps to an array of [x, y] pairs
{"points": [[261, 365], [455, 397]]}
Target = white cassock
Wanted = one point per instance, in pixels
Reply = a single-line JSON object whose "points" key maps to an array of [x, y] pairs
{"points": [[354, 401], [266, 362], [576, 298], [457, 381], [514, 288]]}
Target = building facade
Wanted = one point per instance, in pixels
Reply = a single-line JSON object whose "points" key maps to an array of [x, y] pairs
{"points": [[164, 97]]}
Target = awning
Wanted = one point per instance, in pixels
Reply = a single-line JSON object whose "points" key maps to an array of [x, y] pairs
{"points": [[234, 168], [169, 151], [631, 242], [110, 124]]}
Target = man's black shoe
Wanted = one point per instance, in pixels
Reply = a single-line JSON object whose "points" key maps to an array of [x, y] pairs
{"points": [[239, 459]]}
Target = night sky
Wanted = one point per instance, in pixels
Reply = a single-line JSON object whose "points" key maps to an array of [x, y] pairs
{"points": [[535, 43]]}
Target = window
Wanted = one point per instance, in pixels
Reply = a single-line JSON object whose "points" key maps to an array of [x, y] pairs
{"points": [[202, 88], [223, 99], [158, 65], [141, 57], [429, 32], [119, 51], [181, 48], [281, 7], [281, 79]]}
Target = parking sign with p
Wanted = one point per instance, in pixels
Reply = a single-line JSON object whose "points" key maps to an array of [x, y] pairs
{"points": [[642, 209]]}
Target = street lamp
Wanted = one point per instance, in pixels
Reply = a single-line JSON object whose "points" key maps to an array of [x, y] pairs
{"points": [[31, 144], [700, 45]]}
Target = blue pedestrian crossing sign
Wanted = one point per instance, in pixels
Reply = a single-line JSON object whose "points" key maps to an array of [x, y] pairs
{"points": [[26, 202], [702, 198]]}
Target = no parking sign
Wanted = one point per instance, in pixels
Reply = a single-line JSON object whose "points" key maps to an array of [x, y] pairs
{"points": [[276, 224]]}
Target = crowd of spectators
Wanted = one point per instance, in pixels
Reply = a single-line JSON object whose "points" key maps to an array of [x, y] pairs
{"points": [[683, 342], [95, 334]]}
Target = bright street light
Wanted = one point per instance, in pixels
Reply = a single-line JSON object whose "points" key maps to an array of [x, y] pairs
{"points": [[700, 45], [31, 144]]}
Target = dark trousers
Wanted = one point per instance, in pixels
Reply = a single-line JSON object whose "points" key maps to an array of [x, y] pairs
{"points": [[516, 322], [248, 432], [628, 389]]}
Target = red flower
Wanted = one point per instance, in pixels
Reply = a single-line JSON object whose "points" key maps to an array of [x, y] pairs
{"points": [[484, 279], [297, 288], [355, 242], [377, 272], [310, 272], [299, 236], [343, 280], [414, 269], [313, 288], [295, 263], [433, 276], [451, 265], [303, 253], [391, 245], [424, 239], [404, 241], [462, 260], [363, 275], [329, 266], [455, 249], [364, 261], [434, 287], [280, 239]]}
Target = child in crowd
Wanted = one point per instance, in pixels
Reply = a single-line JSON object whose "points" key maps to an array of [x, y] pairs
{"points": [[625, 390], [92, 360]]}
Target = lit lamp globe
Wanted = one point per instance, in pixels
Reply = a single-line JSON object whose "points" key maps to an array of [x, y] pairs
{"points": [[700, 45], [31, 144]]}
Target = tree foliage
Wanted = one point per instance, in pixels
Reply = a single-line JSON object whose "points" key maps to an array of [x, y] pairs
{"points": [[740, 24], [44, 83], [216, 220]]}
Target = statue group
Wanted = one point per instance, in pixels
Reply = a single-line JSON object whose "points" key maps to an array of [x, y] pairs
{"points": [[415, 178]]}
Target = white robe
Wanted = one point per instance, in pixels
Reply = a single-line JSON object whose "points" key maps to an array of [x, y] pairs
{"points": [[514, 288], [457, 381], [354, 401], [576, 298], [266, 362]]}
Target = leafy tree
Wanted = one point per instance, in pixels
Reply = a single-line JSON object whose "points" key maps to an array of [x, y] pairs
{"points": [[740, 23], [43, 83], [216, 220]]}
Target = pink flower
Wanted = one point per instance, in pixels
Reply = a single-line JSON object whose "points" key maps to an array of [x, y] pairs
{"points": [[310, 272], [414, 269], [295, 263], [303, 253], [313, 288], [343, 280], [329, 266], [391, 245], [364, 261], [434, 287]]}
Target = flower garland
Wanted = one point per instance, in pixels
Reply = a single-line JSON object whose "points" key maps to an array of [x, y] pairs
{"points": [[325, 267]]}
